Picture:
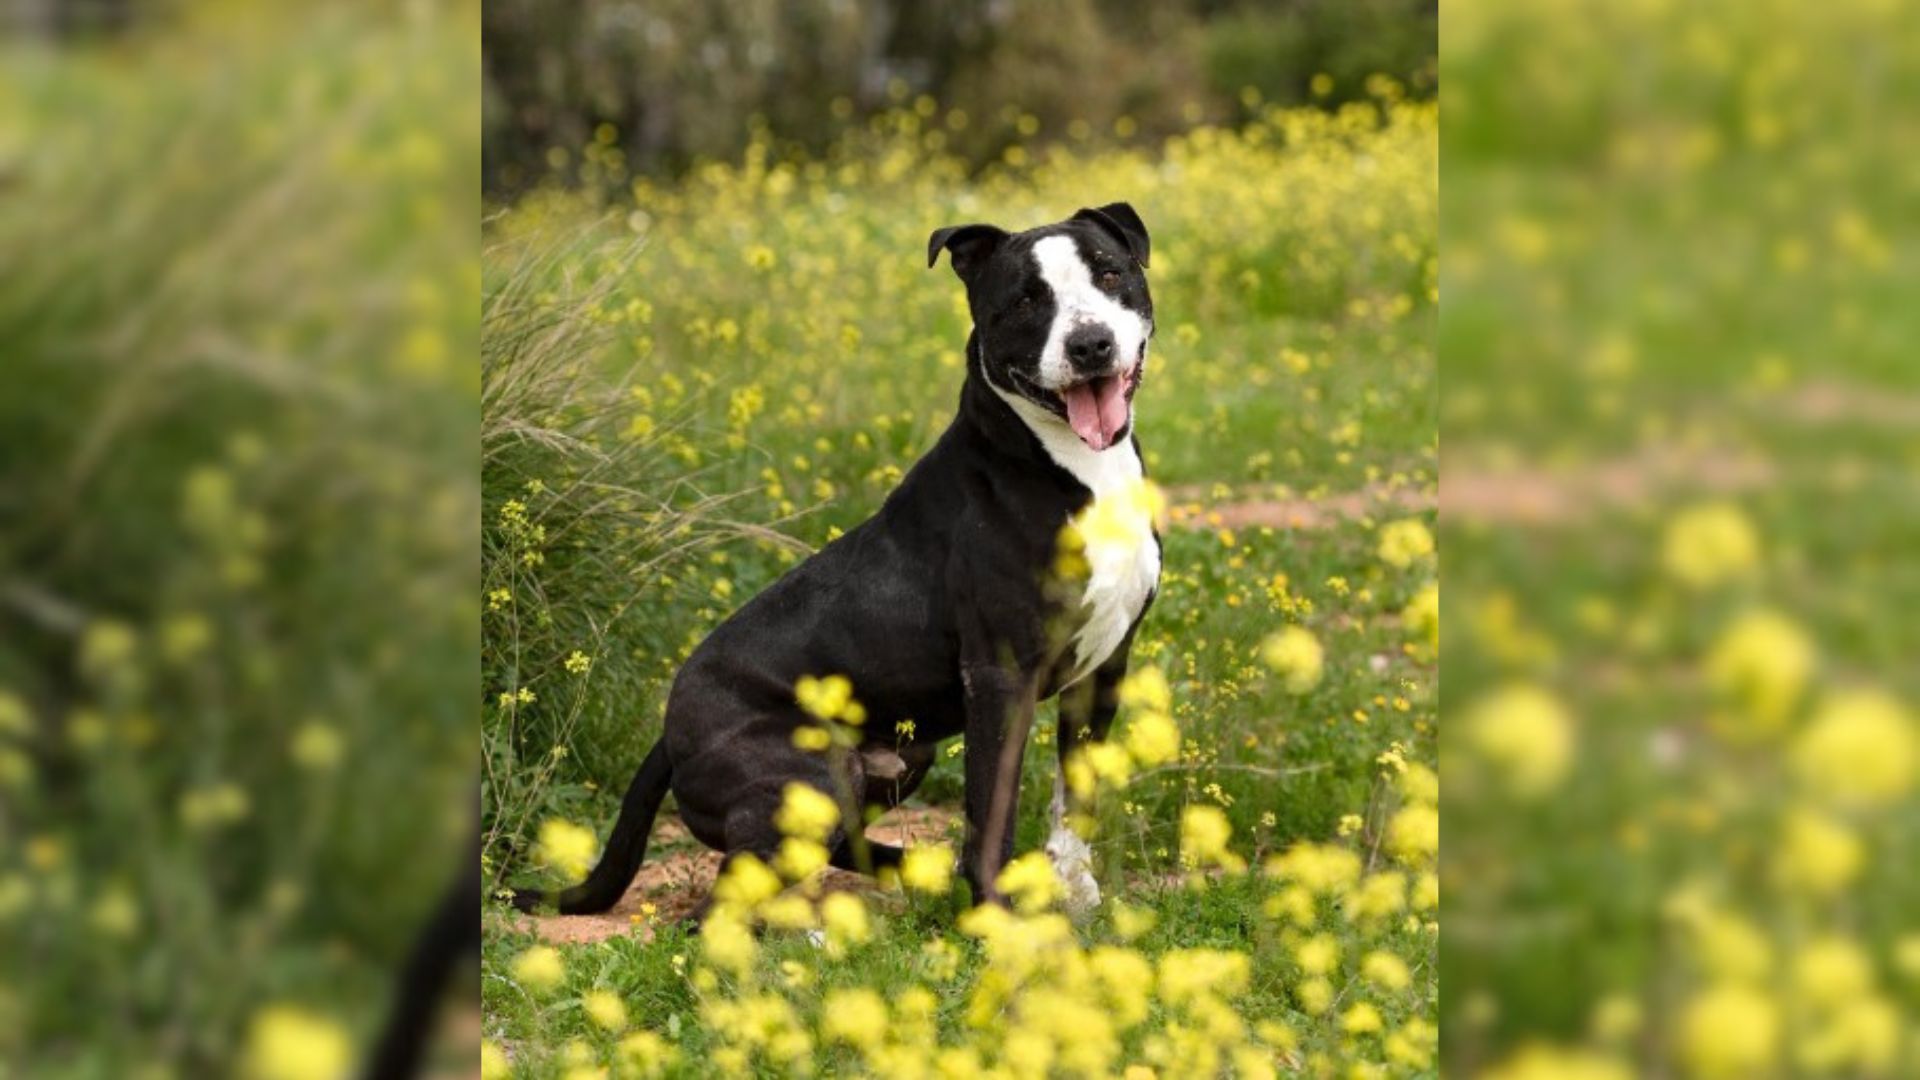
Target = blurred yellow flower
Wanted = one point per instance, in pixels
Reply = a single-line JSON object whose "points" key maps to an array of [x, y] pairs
{"points": [[1317, 955], [1413, 834], [567, 848], [807, 812], [540, 969], [1761, 663], [927, 869], [1817, 854], [605, 1009], [317, 746], [285, 1042], [493, 1061], [1709, 545], [644, 1054], [1729, 1031], [845, 917], [1526, 734], [1404, 542], [1830, 971], [1030, 882], [1296, 655], [1204, 832], [1152, 738], [855, 1015], [1421, 616], [1859, 750], [746, 882]]}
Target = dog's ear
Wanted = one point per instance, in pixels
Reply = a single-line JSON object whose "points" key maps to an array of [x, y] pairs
{"points": [[1125, 225], [968, 244]]}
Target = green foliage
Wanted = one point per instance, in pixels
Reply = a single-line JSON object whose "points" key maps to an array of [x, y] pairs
{"points": [[236, 553]]}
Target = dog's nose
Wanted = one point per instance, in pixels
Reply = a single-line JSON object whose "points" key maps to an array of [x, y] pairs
{"points": [[1090, 348]]}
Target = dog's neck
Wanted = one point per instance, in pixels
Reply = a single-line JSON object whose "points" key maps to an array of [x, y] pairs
{"points": [[1011, 424]]}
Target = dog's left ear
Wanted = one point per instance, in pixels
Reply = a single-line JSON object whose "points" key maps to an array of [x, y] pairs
{"points": [[1125, 225]]}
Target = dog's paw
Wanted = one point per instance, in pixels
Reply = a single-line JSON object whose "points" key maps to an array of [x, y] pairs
{"points": [[1072, 863]]}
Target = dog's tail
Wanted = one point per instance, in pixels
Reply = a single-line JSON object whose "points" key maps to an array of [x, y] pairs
{"points": [[625, 848]]}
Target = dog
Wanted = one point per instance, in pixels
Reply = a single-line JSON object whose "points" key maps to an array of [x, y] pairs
{"points": [[938, 608]]}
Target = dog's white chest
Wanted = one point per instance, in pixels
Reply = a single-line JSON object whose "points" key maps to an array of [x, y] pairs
{"points": [[1122, 553], [1123, 578]]}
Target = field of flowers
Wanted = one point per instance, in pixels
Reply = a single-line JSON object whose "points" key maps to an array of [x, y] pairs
{"points": [[1683, 767], [690, 385]]}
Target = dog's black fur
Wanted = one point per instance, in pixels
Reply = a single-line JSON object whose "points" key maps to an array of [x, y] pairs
{"points": [[937, 608]]}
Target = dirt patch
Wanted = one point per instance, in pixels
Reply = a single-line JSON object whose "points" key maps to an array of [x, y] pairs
{"points": [[1188, 510], [1527, 495], [678, 874], [1825, 401]]}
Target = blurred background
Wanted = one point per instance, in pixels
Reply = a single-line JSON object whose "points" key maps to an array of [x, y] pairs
{"points": [[1680, 506], [681, 80], [238, 569]]}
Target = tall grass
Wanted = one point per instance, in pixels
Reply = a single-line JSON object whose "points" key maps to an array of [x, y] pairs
{"points": [[583, 511]]}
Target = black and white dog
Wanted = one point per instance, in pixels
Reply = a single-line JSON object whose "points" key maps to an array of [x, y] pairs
{"points": [[938, 608]]}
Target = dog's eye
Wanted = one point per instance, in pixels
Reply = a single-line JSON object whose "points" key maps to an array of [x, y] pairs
{"points": [[1109, 281], [1027, 300]]}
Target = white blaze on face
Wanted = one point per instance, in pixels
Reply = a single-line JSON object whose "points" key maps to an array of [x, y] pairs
{"points": [[1077, 302]]}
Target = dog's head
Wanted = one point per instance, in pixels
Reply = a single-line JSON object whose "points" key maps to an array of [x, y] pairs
{"points": [[1061, 313]]}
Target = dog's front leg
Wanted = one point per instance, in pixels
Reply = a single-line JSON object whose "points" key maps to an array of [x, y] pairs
{"points": [[999, 714], [1087, 710]]}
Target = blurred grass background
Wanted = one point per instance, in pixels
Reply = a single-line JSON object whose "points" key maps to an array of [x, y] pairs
{"points": [[237, 502], [1680, 504]]}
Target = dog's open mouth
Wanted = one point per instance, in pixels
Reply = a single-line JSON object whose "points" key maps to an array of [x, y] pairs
{"points": [[1097, 408]]}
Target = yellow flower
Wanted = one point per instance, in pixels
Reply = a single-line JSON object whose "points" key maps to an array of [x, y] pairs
{"points": [[807, 812], [1730, 1030], [1421, 616], [1830, 971], [747, 882], [1204, 832], [828, 698], [1030, 882], [1404, 542], [1297, 657], [1817, 854], [927, 869], [1385, 970], [1414, 833], [799, 859], [856, 1015], [605, 1009], [1188, 975], [318, 746], [1361, 1019], [1146, 689], [493, 1061], [644, 1054], [1761, 663], [1526, 734], [1152, 738], [845, 918], [1317, 955], [285, 1042], [1709, 545], [540, 969], [567, 847], [1859, 750]]}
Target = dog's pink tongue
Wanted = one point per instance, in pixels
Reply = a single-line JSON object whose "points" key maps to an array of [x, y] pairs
{"points": [[1097, 410]]}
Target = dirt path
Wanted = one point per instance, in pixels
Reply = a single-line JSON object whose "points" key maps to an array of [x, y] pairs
{"points": [[1542, 495], [1191, 507]]}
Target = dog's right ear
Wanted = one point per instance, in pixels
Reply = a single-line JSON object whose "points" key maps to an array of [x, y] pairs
{"points": [[969, 245]]}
